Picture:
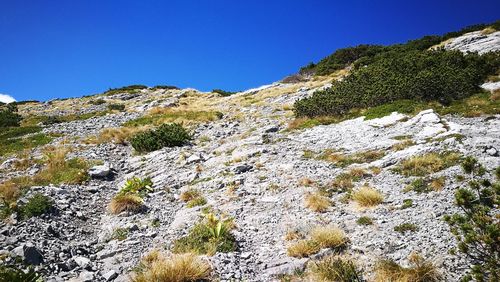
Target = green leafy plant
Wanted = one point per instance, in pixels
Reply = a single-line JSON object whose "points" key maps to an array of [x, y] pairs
{"points": [[208, 237], [13, 274], [37, 204], [477, 227], [136, 185], [167, 135]]}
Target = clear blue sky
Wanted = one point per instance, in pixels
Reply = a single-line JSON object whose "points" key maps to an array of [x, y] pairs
{"points": [[71, 48]]}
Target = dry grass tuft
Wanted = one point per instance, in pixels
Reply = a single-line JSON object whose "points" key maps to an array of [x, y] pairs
{"points": [[368, 197], [403, 145], [189, 195], [9, 192], [428, 163], [334, 268], [316, 202], [306, 182], [329, 237], [118, 135], [125, 202], [495, 95], [419, 271], [303, 248], [488, 30], [176, 268]]}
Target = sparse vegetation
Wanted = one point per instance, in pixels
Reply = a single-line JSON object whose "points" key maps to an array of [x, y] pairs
{"points": [[367, 196], [211, 235], [175, 268], [428, 163], [119, 234], [193, 198], [167, 135], [223, 93], [364, 220], [424, 185], [343, 160], [160, 116], [319, 237], [37, 205], [407, 203], [317, 202], [404, 227], [477, 227], [129, 198], [334, 268], [14, 274], [419, 271], [116, 107]]}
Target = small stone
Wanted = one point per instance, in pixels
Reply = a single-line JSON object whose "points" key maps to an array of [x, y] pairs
{"points": [[110, 275], [83, 262], [242, 168]]}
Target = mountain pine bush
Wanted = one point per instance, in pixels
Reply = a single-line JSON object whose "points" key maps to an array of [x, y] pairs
{"points": [[441, 76], [167, 135], [9, 116], [477, 227]]}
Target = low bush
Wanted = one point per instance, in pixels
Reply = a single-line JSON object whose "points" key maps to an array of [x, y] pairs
{"points": [[14, 274], [116, 107], [165, 87], [126, 89], [223, 93], [9, 116], [167, 135], [37, 205], [442, 76], [477, 227]]}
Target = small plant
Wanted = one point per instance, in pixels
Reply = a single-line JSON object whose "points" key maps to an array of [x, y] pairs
{"points": [[333, 268], [367, 197], [13, 274], [200, 201], [136, 185], [364, 220], [404, 227], [37, 205], [316, 202], [211, 235], [407, 203], [167, 135], [477, 227], [419, 271], [175, 268], [119, 234]]}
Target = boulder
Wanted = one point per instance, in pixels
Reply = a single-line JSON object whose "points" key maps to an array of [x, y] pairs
{"points": [[100, 171]]}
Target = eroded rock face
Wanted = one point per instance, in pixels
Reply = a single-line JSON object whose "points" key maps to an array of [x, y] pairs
{"points": [[475, 42]]}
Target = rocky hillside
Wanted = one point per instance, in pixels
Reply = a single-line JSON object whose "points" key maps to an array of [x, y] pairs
{"points": [[287, 192]]}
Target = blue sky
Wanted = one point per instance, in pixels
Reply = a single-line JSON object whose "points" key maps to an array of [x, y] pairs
{"points": [[70, 48]]}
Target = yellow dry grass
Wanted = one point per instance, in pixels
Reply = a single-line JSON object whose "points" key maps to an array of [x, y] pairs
{"points": [[175, 268], [128, 203], [303, 248], [367, 196], [317, 202], [420, 271], [329, 237], [118, 135]]}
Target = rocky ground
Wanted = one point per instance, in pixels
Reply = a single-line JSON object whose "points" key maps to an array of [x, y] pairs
{"points": [[249, 165]]}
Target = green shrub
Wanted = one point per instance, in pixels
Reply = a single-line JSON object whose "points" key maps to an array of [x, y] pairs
{"points": [[126, 89], [9, 117], [223, 92], [13, 274], [166, 87], [37, 205], [116, 107], [441, 76], [167, 135], [97, 102], [477, 227]]}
